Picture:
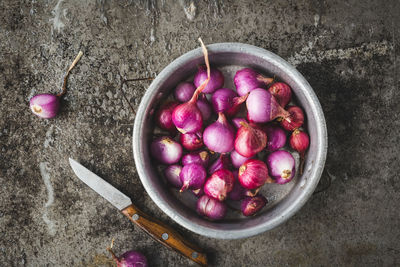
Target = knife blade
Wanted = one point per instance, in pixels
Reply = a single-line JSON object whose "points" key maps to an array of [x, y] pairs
{"points": [[156, 229]]}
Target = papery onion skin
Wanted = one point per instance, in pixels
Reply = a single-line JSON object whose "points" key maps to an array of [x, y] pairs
{"points": [[164, 116], [250, 140], [248, 79], [294, 120], [253, 174], [216, 79], [191, 141], [211, 208], [263, 107], [237, 159], [221, 163], [201, 158], [184, 91], [219, 184], [276, 137], [220, 135], [282, 93], [192, 176], [166, 150], [45, 106], [172, 173], [282, 166], [251, 205]]}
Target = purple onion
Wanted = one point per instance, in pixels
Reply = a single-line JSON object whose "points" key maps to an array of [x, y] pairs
{"points": [[247, 80], [204, 107], [237, 159], [216, 79], [227, 101], [220, 135], [236, 122], [192, 176], [211, 208], [262, 107], [172, 173], [253, 174], [276, 137], [281, 92], [219, 184], [251, 205], [164, 116], [282, 166], [191, 141], [221, 163], [222, 99], [184, 91], [198, 192], [166, 150], [201, 158], [45, 106], [130, 258]]}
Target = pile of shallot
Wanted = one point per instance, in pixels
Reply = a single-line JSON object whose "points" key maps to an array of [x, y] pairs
{"points": [[204, 122]]}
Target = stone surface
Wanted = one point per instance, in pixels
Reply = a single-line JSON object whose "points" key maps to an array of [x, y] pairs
{"points": [[348, 51]]}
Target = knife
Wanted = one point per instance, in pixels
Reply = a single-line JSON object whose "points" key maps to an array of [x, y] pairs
{"points": [[156, 229]]}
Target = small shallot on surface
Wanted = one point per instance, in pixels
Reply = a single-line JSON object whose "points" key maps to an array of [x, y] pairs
{"points": [[46, 106]]}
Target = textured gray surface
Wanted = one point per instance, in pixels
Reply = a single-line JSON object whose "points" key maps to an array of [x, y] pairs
{"points": [[348, 51]]}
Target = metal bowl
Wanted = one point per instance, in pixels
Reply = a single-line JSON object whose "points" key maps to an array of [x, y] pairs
{"points": [[231, 56]]}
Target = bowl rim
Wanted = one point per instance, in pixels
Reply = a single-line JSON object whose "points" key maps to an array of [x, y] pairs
{"points": [[318, 164]]}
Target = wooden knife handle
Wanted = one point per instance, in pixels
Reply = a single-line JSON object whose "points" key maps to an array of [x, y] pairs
{"points": [[165, 235]]}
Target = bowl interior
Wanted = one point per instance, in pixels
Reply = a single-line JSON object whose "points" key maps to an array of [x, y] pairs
{"points": [[284, 200]]}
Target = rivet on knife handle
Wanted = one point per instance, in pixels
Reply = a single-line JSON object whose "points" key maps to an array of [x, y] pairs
{"points": [[165, 235]]}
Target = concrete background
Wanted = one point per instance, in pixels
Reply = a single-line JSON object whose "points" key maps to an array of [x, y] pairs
{"points": [[348, 51]]}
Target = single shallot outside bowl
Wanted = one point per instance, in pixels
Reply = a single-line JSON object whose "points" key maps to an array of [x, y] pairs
{"points": [[284, 200]]}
